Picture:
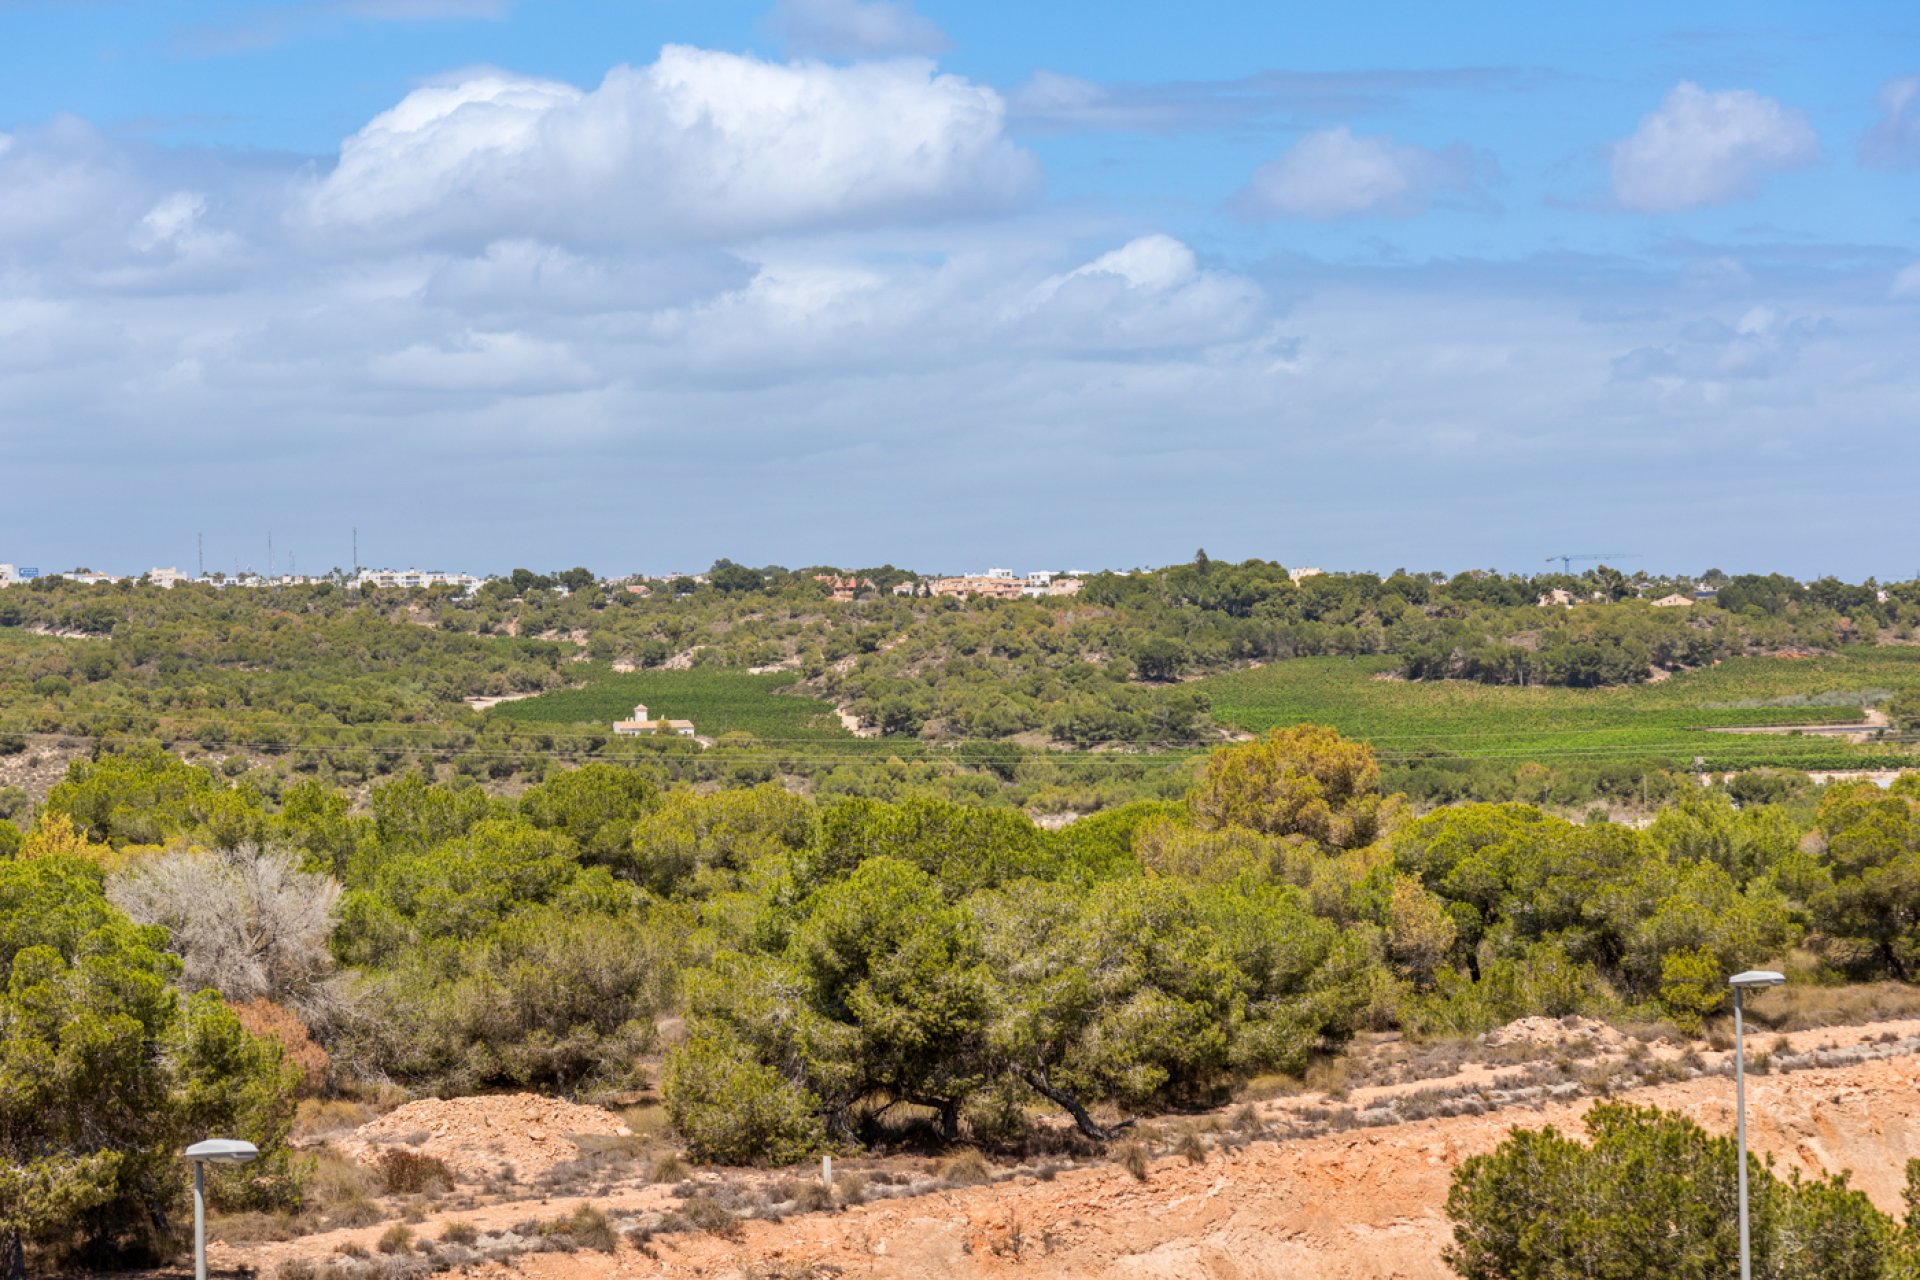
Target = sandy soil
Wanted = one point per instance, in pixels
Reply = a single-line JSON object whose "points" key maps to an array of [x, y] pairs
{"points": [[488, 703], [1345, 1205], [1342, 1207]]}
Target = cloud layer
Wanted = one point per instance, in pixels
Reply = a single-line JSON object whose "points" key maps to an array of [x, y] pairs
{"points": [[1894, 141], [855, 28], [683, 311], [1701, 148]]}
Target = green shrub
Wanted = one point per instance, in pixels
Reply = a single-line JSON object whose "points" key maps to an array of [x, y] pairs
{"points": [[733, 1110], [1652, 1194], [106, 1072]]}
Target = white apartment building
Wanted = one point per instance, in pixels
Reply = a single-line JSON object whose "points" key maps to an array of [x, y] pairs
{"points": [[407, 579]]}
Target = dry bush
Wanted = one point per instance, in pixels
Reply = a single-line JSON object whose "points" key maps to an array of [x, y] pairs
{"points": [[397, 1238], [1131, 1155], [851, 1187], [249, 924], [458, 1232], [338, 1190], [296, 1269], [1247, 1120], [669, 1168], [587, 1227], [1192, 1147], [968, 1169], [411, 1173], [270, 1021], [807, 1195], [701, 1213]]}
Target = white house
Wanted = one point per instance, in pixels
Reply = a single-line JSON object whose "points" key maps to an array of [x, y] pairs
{"points": [[644, 726]]}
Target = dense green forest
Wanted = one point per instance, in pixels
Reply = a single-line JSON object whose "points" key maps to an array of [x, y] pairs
{"points": [[851, 969]]}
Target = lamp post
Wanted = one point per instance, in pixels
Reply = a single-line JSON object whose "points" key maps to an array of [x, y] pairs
{"points": [[212, 1151], [1752, 978]]}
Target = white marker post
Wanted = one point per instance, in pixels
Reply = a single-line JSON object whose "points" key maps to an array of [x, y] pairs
{"points": [[212, 1151], [1752, 979]]}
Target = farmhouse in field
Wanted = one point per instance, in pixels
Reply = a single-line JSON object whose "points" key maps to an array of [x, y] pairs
{"points": [[643, 726]]}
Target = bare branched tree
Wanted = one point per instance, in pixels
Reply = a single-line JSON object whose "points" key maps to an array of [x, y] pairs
{"points": [[248, 923]]}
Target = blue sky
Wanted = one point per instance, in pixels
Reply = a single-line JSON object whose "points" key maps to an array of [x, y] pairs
{"points": [[641, 284]]}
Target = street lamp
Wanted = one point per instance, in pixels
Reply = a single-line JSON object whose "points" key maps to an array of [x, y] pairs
{"points": [[1752, 978], [212, 1151]]}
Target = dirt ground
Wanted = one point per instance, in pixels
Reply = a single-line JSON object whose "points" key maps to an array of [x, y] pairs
{"points": [[1343, 1205]]}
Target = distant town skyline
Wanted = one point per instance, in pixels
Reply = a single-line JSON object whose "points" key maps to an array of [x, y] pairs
{"points": [[848, 281]]}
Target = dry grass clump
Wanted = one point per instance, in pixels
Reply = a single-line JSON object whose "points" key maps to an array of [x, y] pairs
{"points": [[397, 1238], [1193, 1147], [670, 1168], [318, 1116], [339, 1192], [257, 1228], [587, 1227], [703, 1213], [1131, 1155], [458, 1232], [967, 1169], [806, 1195], [412, 1173], [1805, 1006]]}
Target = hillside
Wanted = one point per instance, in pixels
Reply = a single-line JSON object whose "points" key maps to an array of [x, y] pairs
{"points": [[1356, 1205]]}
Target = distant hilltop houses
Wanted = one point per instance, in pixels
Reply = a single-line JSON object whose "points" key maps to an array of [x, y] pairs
{"points": [[406, 579], [168, 578], [1001, 584]]}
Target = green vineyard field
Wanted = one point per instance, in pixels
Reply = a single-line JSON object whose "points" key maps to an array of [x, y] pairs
{"points": [[1668, 720]]}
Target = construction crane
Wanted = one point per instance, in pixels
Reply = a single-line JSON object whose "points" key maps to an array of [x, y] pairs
{"points": [[1566, 561]]}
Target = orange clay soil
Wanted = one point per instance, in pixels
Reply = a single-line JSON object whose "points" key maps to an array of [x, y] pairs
{"points": [[481, 1136], [1362, 1203]]}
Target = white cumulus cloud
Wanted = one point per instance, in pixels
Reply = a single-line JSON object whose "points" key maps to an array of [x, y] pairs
{"points": [[1150, 292], [1700, 148], [855, 28], [699, 145], [1907, 283], [1337, 173]]}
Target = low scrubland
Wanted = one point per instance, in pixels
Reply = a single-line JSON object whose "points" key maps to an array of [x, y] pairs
{"points": [[799, 976]]}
